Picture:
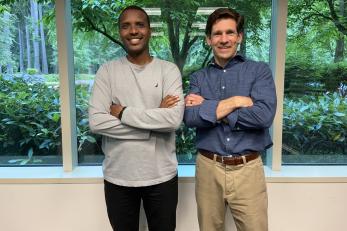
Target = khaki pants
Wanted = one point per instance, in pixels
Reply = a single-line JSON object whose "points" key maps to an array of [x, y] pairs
{"points": [[242, 188]]}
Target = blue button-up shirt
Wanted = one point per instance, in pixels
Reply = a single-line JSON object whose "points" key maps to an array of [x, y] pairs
{"points": [[245, 129]]}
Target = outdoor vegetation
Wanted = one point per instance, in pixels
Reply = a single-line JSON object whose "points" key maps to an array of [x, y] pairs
{"points": [[315, 104]]}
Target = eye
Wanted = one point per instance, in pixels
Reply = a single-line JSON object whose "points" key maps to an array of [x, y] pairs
{"points": [[140, 25], [231, 33], [217, 34], [124, 26]]}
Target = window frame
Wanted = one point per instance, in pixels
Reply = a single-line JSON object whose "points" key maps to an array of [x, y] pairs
{"points": [[67, 84]]}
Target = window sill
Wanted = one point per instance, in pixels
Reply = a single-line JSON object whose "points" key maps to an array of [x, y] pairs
{"points": [[93, 174], [307, 174]]}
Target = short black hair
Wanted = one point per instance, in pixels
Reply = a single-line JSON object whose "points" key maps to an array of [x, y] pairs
{"points": [[134, 7], [224, 13]]}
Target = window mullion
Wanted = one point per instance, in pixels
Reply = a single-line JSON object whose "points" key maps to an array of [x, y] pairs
{"points": [[67, 85], [277, 63]]}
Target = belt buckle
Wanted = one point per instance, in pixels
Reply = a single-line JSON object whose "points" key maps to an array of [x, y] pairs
{"points": [[225, 157]]}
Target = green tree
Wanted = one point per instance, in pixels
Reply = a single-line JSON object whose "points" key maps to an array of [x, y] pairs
{"points": [[6, 40], [327, 18], [177, 19]]}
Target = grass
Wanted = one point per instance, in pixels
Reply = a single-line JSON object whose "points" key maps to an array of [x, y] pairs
{"points": [[55, 77]]}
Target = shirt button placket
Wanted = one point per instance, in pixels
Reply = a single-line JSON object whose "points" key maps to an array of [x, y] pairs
{"points": [[223, 84]]}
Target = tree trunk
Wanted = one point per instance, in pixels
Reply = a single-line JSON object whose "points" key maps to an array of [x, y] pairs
{"points": [[36, 45], [179, 53], [21, 48], [27, 38], [43, 44], [339, 49], [9, 68], [340, 42], [8, 42]]}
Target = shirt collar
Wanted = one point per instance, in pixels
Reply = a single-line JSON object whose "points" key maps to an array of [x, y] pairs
{"points": [[237, 58]]}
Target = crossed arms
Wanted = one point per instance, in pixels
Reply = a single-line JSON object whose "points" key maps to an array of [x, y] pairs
{"points": [[255, 111], [136, 123]]}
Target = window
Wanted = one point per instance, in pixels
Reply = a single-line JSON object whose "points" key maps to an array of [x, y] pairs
{"points": [[315, 103], [177, 36], [29, 94], [314, 115]]}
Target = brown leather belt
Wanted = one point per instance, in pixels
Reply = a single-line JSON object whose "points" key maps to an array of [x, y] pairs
{"points": [[230, 160]]}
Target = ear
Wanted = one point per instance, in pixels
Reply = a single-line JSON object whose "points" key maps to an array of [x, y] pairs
{"points": [[208, 40], [239, 37]]}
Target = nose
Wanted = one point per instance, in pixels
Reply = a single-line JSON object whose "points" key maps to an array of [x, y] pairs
{"points": [[133, 30], [224, 38]]}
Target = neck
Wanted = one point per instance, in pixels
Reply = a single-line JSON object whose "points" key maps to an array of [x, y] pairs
{"points": [[223, 62], [139, 59]]}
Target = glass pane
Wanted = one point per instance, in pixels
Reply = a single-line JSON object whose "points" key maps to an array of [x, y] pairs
{"points": [[177, 36], [315, 104], [29, 94]]}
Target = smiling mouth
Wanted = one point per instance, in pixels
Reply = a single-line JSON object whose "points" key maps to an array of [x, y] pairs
{"points": [[134, 41], [224, 48]]}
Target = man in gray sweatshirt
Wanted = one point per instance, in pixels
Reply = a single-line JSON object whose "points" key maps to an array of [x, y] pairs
{"points": [[136, 105]]}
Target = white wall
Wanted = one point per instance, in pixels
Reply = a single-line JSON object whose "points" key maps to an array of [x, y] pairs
{"points": [[77, 207]]}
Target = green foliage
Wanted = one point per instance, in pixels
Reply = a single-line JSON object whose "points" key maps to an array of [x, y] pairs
{"points": [[315, 125], [7, 34], [29, 117], [55, 77], [185, 144], [32, 71], [30, 120], [176, 19], [333, 75], [98, 16], [88, 143], [3, 8], [52, 78], [314, 28], [301, 77]]}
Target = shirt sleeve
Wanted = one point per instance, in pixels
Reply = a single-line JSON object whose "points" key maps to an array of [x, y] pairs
{"points": [[100, 120], [203, 115], [159, 119], [262, 113]]}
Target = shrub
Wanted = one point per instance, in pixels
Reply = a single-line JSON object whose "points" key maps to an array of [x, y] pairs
{"points": [[301, 77], [315, 125], [333, 75], [29, 118], [185, 144], [32, 71], [88, 143]]}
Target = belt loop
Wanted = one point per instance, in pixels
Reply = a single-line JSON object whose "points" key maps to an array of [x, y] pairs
{"points": [[244, 159], [214, 158]]}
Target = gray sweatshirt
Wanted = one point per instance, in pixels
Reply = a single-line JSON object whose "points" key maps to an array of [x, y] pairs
{"points": [[140, 148]]}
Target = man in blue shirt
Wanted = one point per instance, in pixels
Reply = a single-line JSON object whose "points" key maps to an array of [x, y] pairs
{"points": [[232, 104]]}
